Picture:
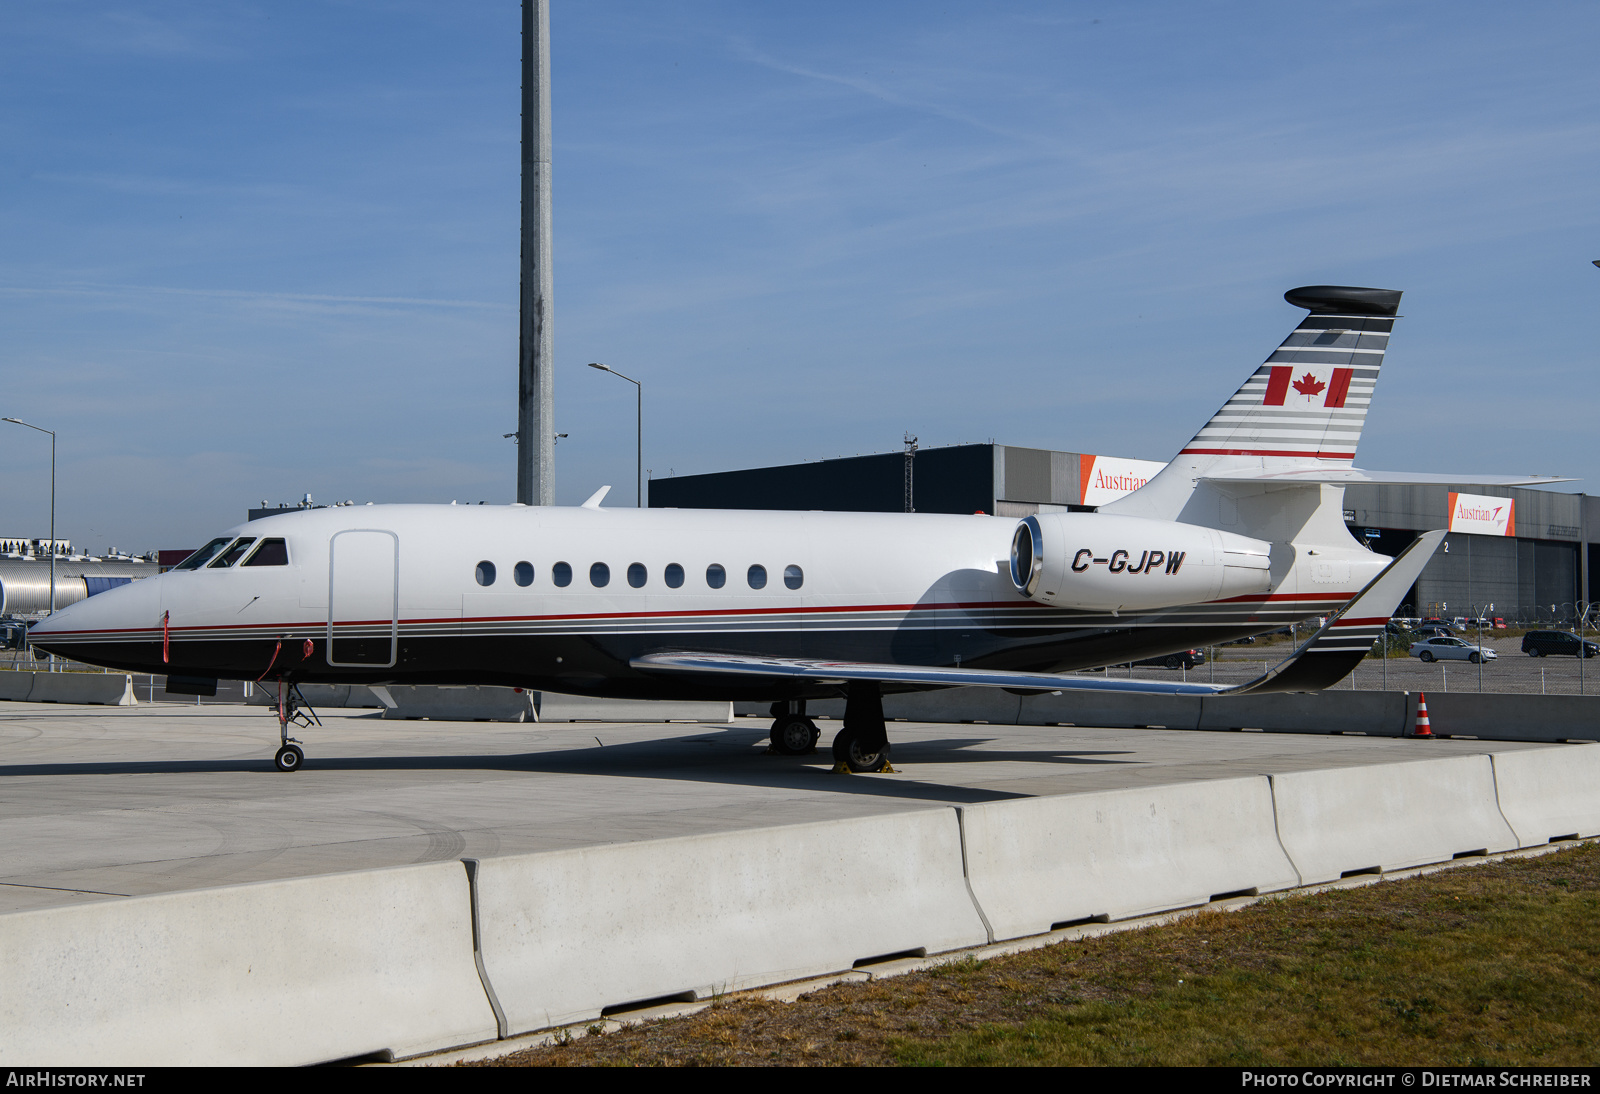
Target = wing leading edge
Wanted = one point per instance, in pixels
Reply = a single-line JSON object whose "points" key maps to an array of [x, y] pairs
{"points": [[1325, 658]]}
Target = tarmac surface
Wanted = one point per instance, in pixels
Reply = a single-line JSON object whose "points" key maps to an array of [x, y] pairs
{"points": [[98, 803]]}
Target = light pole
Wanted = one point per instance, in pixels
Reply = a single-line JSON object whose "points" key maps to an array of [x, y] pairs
{"points": [[638, 470], [15, 421]]}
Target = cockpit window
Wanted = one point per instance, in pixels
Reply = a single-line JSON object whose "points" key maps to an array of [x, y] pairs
{"points": [[232, 554], [204, 554], [272, 552]]}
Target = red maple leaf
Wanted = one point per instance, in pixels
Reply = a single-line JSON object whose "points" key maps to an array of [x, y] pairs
{"points": [[1308, 385]]}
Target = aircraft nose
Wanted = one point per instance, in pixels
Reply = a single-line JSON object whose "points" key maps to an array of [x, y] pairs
{"points": [[117, 628]]}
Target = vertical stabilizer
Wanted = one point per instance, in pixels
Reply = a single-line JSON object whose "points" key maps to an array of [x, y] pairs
{"points": [[1304, 407]]}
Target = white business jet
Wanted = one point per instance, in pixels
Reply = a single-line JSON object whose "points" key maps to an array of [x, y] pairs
{"points": [[1242, 533]]}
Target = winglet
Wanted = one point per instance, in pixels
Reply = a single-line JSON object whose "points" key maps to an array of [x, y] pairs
{"points": [[596, 498], [1334, 651]]}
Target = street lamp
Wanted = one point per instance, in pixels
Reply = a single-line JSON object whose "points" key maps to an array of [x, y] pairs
{"points": [[15, 421], [638, 470]]}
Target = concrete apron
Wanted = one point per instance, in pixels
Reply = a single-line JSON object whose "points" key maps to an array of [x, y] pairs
{"points": [[399, 962]]}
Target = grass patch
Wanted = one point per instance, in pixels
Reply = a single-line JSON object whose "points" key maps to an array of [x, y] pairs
{"points": [[1496, 964]]}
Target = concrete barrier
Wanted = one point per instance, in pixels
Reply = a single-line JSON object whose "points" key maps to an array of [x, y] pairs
{"points": [[96, 688], [460, 704], [1088, 708], [566, 934], [318, 695], [1038, 862], [1375, 713], [1512, 717], [554, 707], [467, 703], [14, 686], [1488, 717], [1549, 793], [276, 973], [1363, 819]]}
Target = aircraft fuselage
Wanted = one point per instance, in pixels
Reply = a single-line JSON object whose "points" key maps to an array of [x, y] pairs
{"points": [[430, 594]]}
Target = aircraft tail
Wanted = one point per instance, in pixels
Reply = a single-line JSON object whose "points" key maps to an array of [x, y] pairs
{"points": [[1303, 408]]}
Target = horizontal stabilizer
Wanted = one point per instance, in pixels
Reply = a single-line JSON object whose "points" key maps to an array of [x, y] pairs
{"points": [[1355, 476]]}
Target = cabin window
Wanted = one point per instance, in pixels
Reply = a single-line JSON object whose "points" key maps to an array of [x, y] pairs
{"points": [[272, 552], [716, 576], [561, 574], [599, 575], [794, 576], [233, 554], [637, 575], [522, 574], [673, 575], [485, 573], [204, 554], [757, 576]]}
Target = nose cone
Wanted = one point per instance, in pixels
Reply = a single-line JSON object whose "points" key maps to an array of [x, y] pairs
{"points": [[119, 628]]}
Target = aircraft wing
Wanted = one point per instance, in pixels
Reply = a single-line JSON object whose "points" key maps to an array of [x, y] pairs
{"points": [[842, 672], [1325, 658], [1355, 476]]}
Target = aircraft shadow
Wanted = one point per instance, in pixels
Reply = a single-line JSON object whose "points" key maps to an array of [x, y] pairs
{"points": [[716, 756]]}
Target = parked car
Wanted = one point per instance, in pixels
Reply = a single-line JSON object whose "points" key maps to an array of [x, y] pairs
{"points": [[1435, 630], [1187, 659], [1561, 643], [1441, 648]]}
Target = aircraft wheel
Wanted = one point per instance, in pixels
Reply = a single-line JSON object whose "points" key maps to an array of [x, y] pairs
{"points": [[848, 750], [289, 758], [1426, 656], [793, 735]]}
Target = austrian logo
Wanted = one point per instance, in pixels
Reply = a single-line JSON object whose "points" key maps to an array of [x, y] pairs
{"points": [[1484, 516]]}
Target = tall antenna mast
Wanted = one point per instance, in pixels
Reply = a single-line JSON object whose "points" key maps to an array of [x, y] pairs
{"points": [[536, 381], [911, 455]]}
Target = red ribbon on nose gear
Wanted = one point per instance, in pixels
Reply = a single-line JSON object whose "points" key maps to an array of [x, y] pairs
{"points": [[310, 646], [165, 646], [275, 651]]}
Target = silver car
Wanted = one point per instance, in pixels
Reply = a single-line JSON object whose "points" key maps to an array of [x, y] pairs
{"points": [[1440, 648]]}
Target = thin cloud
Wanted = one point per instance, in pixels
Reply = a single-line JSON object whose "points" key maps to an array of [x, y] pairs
{"points": [[253, 296]]}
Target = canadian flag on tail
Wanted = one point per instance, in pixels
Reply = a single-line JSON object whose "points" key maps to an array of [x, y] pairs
{"points": [[1304, 387]]}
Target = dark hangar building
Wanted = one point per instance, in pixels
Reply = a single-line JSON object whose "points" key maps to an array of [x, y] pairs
{"points": [[1538, 571]]}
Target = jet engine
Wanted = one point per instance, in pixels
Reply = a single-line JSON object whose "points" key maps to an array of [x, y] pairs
{"points": [[1109, 563]]}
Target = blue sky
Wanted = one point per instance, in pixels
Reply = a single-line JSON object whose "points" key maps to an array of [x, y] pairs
{"points": [[251, 251]]}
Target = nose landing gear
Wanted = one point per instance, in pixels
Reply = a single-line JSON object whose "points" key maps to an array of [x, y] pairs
{"points": [[292, 710]]}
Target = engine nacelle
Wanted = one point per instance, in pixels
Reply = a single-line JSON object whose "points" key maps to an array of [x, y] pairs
{"points": [[1110, 563]]}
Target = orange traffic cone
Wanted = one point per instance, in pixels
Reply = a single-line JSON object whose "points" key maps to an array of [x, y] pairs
{"points": [[1423, 729]]}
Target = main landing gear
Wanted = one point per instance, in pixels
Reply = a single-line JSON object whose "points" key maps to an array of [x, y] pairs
{"points": [[292, 710], [863, 744], [793, 734]]}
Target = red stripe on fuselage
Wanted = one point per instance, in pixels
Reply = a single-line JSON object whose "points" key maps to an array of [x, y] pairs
{"points": [[1313, 599]]}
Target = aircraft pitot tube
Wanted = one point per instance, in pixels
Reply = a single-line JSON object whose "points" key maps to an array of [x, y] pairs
{"points": [[1100, 562]]}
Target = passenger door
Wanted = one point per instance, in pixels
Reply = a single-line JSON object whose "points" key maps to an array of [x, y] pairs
{"points": [[363, 598]]}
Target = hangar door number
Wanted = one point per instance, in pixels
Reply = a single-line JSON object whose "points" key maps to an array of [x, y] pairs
{"points": [[363, 598]]}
